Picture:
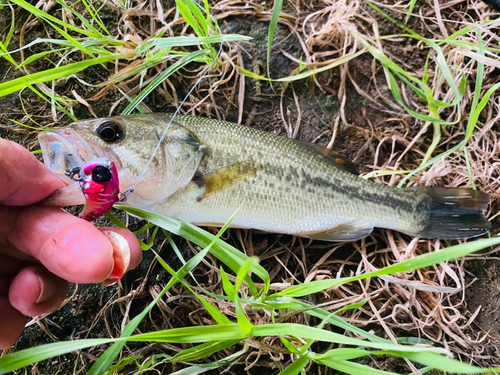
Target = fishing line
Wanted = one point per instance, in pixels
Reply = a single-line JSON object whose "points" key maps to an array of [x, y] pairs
{"points": [[141, 176]]}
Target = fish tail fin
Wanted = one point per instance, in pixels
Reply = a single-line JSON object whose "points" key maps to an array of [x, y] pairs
{"points": [[452, 213]]}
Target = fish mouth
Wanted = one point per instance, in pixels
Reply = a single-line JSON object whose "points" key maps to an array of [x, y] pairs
{"points": [[63, 150]]}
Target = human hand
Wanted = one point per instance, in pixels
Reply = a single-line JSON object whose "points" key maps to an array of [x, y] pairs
{"points": [[41, 247]]}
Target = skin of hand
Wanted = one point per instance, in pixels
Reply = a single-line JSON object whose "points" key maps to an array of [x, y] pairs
{"points": [[41, 247]]}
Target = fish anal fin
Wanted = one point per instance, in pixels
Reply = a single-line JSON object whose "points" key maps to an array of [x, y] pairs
{"points": [[343, 232], [333, 157], [225, 177]]}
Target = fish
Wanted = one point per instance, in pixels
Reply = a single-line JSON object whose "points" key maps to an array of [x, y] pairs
{"points": [[205, 170]]}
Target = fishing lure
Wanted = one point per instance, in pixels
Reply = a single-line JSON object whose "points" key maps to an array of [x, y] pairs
{"points": [[100, 185]]}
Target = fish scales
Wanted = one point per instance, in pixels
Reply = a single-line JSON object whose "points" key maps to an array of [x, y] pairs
{"points": [[293, 191], [206, 169]]}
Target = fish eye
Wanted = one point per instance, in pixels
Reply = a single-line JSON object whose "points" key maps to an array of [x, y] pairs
{"points": [[109, 131], [101, 174]]}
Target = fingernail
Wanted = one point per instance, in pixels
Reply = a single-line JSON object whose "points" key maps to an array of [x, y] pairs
{"points": [[121, 257], [47, 289]]}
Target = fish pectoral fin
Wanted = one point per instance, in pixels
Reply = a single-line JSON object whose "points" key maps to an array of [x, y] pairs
{"points": [[344, 232], [332, 157], [226, 176]]}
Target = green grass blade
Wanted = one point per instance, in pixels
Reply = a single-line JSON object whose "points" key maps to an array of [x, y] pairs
{"points": [[162, 76], [226, 253], [149, 62], [278, 4], [106, 360], [185, 10], [469, 169], [12, 27], [7, 55], [52, 74], [190, 335], [115, 220], [82, 19], [216, 314], [26, 357], [473, 117], [226, 285], [93, 44], [186, 335], [143, 229], [420, 261], [30, 127], [443, 65], [41, 14], [305, 74], [296, 367], [386, 61], [341, 323], [203, 350], [327, 318], [200, 369], [343, 354], [145, 246], [211, 21], [198, 15], [245, 325], [432, 161], [397, 96], [125, 95], [72, 40], [288, 344], [156, 44], [410, 11], [37, 56], [354, 368], [94, 15], [306, 332], [474, 111], [389, 18], [445, 364]]}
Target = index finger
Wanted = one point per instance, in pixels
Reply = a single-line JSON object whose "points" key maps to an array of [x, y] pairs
{"points": [[23, 179]]}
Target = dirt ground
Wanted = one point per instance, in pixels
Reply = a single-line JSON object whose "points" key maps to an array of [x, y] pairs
{"points": [[356, 111]]}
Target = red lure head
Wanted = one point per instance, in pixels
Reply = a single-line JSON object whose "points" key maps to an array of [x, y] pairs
{"points": [[100, 185]]}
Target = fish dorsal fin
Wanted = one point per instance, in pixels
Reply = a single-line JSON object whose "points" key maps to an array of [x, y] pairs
{"points": [[344, 232], [225, 176], [338, 160]]}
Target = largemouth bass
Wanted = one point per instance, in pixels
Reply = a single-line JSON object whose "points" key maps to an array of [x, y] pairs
{"points": [[206, 169]]}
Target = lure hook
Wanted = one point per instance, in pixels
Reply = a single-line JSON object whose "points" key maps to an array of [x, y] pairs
{"points": [[74, 173]]}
